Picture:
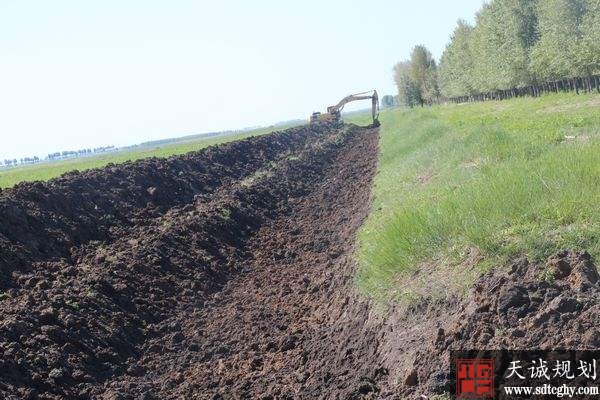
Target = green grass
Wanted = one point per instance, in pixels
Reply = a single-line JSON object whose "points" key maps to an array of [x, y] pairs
{"points": [[45, 171], [461, 188]]}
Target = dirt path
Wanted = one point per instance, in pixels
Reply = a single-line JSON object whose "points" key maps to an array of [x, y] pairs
{"points": [[225, 274]]}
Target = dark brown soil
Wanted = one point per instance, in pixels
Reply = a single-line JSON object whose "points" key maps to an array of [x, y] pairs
{"points": [[552, 305], [548, 306], [228, 274], [210, 274]]}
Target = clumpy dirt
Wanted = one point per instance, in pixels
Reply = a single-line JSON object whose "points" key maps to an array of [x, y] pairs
{"points": [[201, 276], [228, 274], [553, 305], [262, 335]]}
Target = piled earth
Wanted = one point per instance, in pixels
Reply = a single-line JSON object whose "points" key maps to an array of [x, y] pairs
{"points": [[529, 306], [204, 275]]}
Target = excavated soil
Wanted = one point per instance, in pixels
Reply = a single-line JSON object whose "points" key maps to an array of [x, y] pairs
{"points": [[207, 275], [228, 274], [529, 306]]}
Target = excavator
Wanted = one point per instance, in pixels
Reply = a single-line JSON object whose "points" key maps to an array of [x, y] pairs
{"points": [[334, 113]]}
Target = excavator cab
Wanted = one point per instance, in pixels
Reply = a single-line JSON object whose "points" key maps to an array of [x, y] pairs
{"points": [[334, 113], [318, 116]]}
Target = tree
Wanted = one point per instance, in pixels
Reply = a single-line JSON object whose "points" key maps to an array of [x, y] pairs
{"points": [[408, 93], [555, 55], [416, 79], [456, 64], [423, 72], [387, 101], [504, 33], [588, 52]]}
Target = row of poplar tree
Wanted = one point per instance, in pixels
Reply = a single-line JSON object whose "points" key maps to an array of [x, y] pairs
{"points": [[514, 43]]}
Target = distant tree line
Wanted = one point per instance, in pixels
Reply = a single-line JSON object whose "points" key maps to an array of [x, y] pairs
{"points": [[24, 160], [55, 156], [514, 44], [103, 149], [68, 153], [78, 153]]}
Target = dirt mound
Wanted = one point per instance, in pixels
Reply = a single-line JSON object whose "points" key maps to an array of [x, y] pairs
{"points": [[41, 221], [118, 282], [548, 306]]}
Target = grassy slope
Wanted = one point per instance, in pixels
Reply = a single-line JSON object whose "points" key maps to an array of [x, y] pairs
{"points": [[464, 187], [47, 171]]}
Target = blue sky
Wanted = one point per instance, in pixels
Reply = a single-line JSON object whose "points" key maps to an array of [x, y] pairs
{"points": [[77, 74]]}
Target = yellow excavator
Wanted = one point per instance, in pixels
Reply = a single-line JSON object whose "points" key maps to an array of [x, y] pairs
{"points": [[334, 113]]}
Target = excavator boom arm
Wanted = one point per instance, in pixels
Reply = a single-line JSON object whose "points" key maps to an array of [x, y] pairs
{"points": [[339, 106], [336, 110]]}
